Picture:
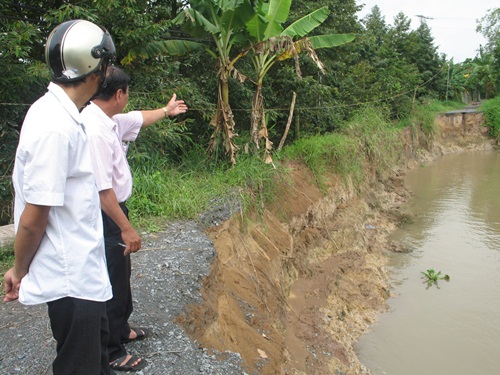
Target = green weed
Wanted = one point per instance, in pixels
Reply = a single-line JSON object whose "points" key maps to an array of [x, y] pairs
{"points": [[431, 277], [377, 138], [182, 191], [6, 259]]}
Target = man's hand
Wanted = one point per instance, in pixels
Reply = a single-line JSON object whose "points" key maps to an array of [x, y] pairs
{"points": [[11, 285], [132, 241], [31, 229], [175, 107]]}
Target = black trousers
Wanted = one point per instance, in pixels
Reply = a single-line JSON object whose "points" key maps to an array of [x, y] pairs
{"points": [[80, 328], [120, 306]]}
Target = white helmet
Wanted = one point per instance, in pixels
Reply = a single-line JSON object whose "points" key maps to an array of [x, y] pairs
{"points": [[78, 48]]}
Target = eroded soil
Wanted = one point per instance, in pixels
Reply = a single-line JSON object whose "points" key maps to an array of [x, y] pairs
{"points": [[293, 289]]}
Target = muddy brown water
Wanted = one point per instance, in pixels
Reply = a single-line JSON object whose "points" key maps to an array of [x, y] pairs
{"points": [[453, 329]]}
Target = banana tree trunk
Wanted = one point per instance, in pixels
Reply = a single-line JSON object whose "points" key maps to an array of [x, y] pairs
{"points": [[257, 116], [258, 128], [223, 121]]}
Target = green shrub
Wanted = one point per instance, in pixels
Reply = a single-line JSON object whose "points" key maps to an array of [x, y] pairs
{"points": [[491, 110], [377, 138]]}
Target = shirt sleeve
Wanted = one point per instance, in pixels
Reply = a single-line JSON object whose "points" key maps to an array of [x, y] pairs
{"points": [[129, 125], [46, 170], [102, 162]]}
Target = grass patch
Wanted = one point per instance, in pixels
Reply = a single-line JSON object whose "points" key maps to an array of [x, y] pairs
{"points": [[6, 258], [333, 152], [423, 115], [377, 138], [164, 192]]}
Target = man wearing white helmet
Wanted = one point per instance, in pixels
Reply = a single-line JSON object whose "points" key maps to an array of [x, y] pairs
{"points": [[59, 249]]}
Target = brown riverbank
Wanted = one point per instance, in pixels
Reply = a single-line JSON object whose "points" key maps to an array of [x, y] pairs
{"points": [[292, 291]]}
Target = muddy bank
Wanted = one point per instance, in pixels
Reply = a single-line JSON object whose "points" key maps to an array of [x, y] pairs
{"points": [[292, 290]]}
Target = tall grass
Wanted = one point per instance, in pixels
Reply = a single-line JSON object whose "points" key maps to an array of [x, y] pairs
{"points": [[165, 191], [421, 119], [378, 139], [324, 154]]}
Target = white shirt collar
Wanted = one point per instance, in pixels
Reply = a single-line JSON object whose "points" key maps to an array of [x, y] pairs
{"points": [[65, 100], [110, 124]]}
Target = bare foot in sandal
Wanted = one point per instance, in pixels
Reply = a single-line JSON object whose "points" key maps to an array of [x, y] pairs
{"points": [[128, 363], [136, 333]]}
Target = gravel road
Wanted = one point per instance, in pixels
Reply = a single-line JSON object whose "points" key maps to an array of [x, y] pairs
{"points": [[166, 277]]}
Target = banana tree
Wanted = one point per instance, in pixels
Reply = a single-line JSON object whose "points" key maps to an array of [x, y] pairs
{"points": [[482, 75], [224, 21], [271, 42]]}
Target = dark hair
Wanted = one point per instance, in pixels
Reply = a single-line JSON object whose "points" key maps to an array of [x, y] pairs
{"points": [[116, 79]]}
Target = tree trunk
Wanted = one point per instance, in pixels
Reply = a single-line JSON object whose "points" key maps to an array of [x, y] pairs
{"points": [[257, 115], [223, 121]]}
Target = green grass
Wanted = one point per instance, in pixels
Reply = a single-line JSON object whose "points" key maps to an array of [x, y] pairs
{"points": [[164, 192], [6, 258], [377, 138], [327, 153], [491, 109], [424, 113]]}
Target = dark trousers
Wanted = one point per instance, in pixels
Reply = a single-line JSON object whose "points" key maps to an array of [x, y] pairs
{"points": [[80, 328], [120, 306]]}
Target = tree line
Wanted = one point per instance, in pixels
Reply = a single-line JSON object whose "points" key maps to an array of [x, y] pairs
{"points": [[242, 66]]}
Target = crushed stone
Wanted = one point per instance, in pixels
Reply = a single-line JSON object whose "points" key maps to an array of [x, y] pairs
{"points": [[166, 277]]}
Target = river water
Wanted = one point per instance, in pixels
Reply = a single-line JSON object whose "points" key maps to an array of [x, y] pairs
{"points": [[452, 328]]}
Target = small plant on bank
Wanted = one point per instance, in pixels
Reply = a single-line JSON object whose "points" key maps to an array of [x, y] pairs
{"points": [[431, 277]]}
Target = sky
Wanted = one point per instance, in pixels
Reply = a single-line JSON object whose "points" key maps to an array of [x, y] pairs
{"points": [[452, 22]]}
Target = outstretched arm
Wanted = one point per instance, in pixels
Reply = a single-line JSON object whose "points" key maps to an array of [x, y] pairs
{"points": [[173, 108]]}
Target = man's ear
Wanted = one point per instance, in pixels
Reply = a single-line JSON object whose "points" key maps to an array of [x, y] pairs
{"points": [[118, 94]]}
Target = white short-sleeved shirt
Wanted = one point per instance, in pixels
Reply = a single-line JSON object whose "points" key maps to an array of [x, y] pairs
{"points": [[53, 168], [108, 139]]}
